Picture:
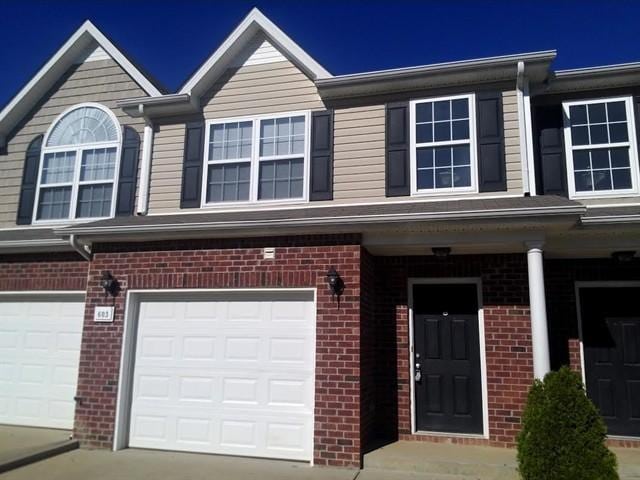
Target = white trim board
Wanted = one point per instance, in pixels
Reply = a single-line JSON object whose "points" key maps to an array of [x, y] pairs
{"points": [[129, 337], [477, 281], [85, 37]]}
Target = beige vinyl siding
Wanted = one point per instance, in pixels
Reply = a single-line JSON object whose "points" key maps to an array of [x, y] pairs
{"points": [[261, 89], [166, 168], [102, 82], [359, 153]]}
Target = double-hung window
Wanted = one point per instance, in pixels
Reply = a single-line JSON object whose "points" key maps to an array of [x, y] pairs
{"points": [[262, 159], [443, 145], [78, 170], [601, 147]]}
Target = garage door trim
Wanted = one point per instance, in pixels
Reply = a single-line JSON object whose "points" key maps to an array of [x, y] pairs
{"points": [[127, 356]]}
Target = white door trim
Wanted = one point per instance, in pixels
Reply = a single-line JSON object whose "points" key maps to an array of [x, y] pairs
{"points": [[36, 293], [127, 354], [477, 281]]}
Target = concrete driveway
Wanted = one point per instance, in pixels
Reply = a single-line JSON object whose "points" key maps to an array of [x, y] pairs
{"points": [[156, 465], [22, 445]]}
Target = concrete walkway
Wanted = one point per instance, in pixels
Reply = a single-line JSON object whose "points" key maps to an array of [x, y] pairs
{"points": [[158, 465], [23, 445]]}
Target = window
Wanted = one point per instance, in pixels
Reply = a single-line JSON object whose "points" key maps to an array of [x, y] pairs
{"points": [[443, 145], [259, 159], [79, 166], [601, 149]]}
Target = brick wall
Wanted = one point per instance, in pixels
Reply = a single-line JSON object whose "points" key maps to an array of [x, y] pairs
{"points": [[50, 271], [299, 262], [367, 350], [507, 338]]}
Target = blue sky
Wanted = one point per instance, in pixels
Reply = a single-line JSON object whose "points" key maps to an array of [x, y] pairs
{"points": [[172, 38]]}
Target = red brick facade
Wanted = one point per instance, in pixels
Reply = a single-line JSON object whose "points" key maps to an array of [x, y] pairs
{"points": [[505, 300], [362, 370], [299, 262], [50, 271]]}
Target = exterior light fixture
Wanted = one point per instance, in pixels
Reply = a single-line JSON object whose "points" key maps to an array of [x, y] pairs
{"points": [[336, 284], [624, 256], [109, 284], [441, 251]]}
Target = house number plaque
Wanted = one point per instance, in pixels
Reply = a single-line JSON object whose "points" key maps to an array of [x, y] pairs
{"points": [[103, 314]]}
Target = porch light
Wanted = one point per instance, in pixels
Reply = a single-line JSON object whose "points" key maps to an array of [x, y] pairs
{"points": [[336, 284], [623, 256], [441, 251], [109, 284]]}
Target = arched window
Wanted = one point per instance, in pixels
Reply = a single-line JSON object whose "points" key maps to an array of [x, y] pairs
{"points": [[79, 165]]}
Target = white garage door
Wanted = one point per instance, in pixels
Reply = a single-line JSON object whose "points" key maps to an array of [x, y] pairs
{"points": [[229, 373], [39, 352]]}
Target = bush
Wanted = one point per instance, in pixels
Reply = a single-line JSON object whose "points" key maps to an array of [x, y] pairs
{"points": [[563, 435]]}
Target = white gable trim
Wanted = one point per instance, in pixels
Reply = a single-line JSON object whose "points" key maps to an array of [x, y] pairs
{"points": [[66, 56], [243, 33]]}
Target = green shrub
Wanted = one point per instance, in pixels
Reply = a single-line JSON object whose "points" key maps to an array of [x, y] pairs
{"points": [[563, 435]]}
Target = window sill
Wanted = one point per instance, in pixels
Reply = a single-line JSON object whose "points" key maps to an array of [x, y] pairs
{"points": [[605, 194], [66, 222], [444, 192], [253, 205]]}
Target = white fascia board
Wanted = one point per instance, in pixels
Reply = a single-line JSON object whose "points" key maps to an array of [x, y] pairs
{"points": [[55, 67], [253, 22], [322, 221], [611, 219]]}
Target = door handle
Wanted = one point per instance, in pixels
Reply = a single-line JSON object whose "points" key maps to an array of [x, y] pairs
{"points": [[418, 373]]}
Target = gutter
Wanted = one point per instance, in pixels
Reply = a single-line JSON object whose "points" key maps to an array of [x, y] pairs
{"points": [[446, 67], [32, 243], [83, 250], [324, 221], [611, 219], [169, 99], [633, 67]]}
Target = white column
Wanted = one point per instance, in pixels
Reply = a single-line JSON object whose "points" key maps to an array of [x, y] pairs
{"points": [[538, 306]]}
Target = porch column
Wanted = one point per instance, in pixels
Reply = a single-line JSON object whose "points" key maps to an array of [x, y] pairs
{"points": [[538, 307]]}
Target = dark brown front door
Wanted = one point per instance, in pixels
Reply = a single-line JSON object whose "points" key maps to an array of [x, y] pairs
{"points": [[611, 340], [448, 384]]}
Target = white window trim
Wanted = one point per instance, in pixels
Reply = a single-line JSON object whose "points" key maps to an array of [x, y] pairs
{"points": [[472, 148], [255, 161], [75, 183], [632, 144]]}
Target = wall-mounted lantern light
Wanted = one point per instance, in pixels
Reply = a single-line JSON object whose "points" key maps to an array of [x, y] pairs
{"points": [[109, 284], [336, 284]]}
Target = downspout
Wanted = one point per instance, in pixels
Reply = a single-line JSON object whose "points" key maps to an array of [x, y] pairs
{"points": [[83, 250], [526, 135], [145, 167]]}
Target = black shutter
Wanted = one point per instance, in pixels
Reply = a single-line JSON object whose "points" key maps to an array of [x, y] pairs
{"points": [[554, 178], [321, 182], [29, 182], [397, 173], [127, 181], [492, 170], [192, 166]]}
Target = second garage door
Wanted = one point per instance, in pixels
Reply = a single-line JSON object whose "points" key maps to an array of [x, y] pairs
{"points": [[229, 373]]}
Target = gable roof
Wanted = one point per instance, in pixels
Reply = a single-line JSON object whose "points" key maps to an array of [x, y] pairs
{"points": [[254, 22], [83, 38]]}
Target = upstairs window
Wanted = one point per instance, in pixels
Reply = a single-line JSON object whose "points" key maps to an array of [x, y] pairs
{"points": [[601, 147], [443, 147], [261, 159], [78, 171]]}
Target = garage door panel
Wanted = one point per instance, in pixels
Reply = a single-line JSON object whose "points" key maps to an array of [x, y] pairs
{"points": [[39, 353], [230, 376]]}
